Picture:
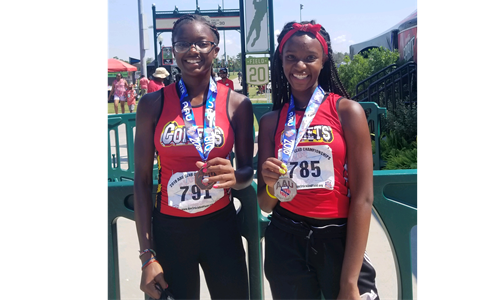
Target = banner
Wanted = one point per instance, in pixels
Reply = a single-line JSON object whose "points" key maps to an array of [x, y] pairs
{"points": [[113, 74], [257, 26], [221, 22]]}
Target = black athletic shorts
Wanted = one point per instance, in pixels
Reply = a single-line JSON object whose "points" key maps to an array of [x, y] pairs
{"points": [[304, 256], [212, 241]]}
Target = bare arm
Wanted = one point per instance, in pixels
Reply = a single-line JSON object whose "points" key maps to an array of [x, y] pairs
{"points": [[268, 166], [147, 112], [360, 172], [242, 119]]}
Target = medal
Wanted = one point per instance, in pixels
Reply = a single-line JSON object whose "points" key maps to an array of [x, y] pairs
{"points": [[285, 188], [208, 143], [198, 179]]}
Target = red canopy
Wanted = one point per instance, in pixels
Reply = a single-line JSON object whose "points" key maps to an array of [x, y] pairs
{"points": [[116, 65]]}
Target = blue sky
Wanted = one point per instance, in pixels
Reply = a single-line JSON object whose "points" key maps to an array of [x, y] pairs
{"points": [[347, 21]]}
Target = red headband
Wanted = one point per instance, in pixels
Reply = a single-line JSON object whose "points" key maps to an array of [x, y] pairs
{"points": [[314, 29]]}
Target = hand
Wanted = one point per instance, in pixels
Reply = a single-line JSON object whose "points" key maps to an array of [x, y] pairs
{"points": [[349, 294], [223, 170], [272, 169], [152, 275]]}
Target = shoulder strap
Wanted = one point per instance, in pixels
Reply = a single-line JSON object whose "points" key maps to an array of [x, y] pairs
{"points": [[162, 100]]}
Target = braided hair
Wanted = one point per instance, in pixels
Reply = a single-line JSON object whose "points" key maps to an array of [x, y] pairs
{"points": [[192, 18], [328, 77]]}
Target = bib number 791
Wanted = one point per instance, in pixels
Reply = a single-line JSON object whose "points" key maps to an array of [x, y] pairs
{"points": [[196, 191]]}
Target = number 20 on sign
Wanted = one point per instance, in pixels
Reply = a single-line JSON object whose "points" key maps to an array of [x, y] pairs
{"points": [[257, 70]]}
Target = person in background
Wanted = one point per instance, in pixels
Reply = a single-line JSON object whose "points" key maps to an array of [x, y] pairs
{"points": [[192, 125], [224, 80], [239, 76], [143, 84], [131, 95], [315, 174], [157, 83], [118, 90]]}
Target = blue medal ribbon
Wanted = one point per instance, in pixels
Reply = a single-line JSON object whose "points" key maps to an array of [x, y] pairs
{"points": [[203, 147], [290, 137]]}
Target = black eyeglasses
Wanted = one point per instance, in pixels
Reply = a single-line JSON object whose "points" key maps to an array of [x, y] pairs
{"points": [[202, 46]]}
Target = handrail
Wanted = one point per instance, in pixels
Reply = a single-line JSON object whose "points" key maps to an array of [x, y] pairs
{"points": [[392, 86], [121, 204], [375, 75], [395, 203]]}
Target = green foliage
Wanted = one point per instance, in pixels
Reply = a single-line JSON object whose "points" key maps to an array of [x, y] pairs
{"points": [[398, 152], [361, 67], [401, 121], [398, 142], [338, 57]]}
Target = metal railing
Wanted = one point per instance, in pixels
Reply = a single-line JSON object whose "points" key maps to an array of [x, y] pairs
{"points": [[389, 85], [395, 203]]}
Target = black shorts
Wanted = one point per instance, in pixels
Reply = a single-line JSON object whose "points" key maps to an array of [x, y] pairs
{"points": [[304, 256], [212, 241]]}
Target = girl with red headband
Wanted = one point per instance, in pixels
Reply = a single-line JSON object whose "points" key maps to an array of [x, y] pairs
{"points": [[314, 175]]}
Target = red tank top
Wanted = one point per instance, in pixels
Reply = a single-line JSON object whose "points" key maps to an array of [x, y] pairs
{"points": [[319, 165], [177, 157]]}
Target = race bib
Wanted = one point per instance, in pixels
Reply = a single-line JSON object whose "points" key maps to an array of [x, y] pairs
{"points": [[185, 195], [311, 167]]}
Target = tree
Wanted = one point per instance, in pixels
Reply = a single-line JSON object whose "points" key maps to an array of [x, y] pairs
{"points": [[116, 57], [361, 67], [338, 57], [149, 60], [236, 62]]}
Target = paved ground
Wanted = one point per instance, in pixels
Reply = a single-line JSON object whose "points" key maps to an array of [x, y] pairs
{"points": [[378, 250]]}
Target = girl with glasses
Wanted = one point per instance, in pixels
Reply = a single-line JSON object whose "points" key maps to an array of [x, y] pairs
{"points": [[192, 125]]}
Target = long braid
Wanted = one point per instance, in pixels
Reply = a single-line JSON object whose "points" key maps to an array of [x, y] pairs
{"points": [[328, 78], [280, 86], [191, 18]]}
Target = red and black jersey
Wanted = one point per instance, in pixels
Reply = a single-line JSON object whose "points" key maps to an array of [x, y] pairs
{"points": [[332, 200], [176, 154]]}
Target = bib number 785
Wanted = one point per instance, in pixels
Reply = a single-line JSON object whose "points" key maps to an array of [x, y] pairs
{"points": [[304, 168]]}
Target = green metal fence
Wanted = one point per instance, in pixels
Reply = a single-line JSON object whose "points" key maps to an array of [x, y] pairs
{"points": [[121, 153], [121, 204], [395, 204]]}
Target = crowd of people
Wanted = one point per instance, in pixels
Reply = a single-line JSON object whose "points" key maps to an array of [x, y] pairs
{"points": [[314, 172], [121, 90]]}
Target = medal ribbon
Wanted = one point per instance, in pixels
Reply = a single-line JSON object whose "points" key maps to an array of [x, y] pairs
{"points": [[290, 137], [203, 147]]}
